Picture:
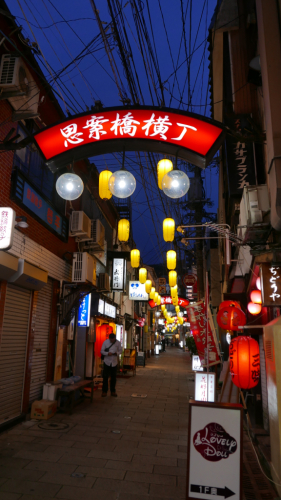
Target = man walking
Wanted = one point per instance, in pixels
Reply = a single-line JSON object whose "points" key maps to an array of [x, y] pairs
{"points": [[110, 349]]}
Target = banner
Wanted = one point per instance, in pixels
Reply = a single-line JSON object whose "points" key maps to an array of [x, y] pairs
{"points": [[197, 319]]}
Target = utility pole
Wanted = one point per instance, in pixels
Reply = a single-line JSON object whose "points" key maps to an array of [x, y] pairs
{"points": [[199, 243]]}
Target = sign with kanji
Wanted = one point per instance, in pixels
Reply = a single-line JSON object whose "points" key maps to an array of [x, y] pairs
{"points": [[270, 284], [192, 137], [189, 280], [31, 200], [204, 392], [166, 299], [214, 454], [162, 281], [196, 363], [119, 275], [197, 318], [162, 289], [7, 226]]}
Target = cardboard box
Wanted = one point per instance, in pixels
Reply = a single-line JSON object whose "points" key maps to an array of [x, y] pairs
{"points": [[44, 409]]}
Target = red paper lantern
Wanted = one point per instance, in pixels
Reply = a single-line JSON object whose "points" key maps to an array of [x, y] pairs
{"points": [[102, 333], [227, 303], [256, 296], [244, 366], [254, 308], [230, 318]]}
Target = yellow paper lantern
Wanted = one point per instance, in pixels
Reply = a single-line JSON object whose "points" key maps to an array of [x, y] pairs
{"points": [[163, 167], [142, 275], [168, 229], [163, 307], [152, 292], [172, 278], [175, 302], [156, 295], [177, 309], [104, 192], [123, 230], [135, 258], [159, 300], [171, 259], [148, 285], [174, 291]]}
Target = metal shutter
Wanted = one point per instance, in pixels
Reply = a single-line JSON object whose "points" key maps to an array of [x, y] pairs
{"points": [[13, 351], [41, 340]]}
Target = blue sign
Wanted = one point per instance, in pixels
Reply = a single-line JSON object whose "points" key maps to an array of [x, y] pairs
{"points": [[84, 311], [41, 208], [27, 196]]}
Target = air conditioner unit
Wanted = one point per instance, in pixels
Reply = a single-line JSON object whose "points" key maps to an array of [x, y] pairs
{"points": [[256, 203], [18, 83], [97, 236], [84, 268], [80, 226], [104, 285]]}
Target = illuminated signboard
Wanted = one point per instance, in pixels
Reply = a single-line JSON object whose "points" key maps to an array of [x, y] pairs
{"points": [[163, 130], [84, 311], [168, 300], [25, 195], [101, 306], [109, 310], [137, 291], [196, 363], [270, 284], [202, 393], [119, 275], [7, 226]]}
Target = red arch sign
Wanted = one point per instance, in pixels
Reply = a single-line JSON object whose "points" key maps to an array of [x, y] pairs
{"points": [[192, 137]]}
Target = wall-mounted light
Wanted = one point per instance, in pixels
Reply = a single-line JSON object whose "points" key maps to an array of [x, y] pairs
{"points": [[21, 221]]}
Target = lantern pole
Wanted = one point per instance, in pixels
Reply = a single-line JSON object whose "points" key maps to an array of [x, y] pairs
{"points": [[207, 305]]}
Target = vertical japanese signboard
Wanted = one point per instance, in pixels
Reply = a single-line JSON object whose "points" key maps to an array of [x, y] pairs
{"points": [[84, 311], [197, 319], [137, 291], [7, 226], [119, 275], [240, 157], [271, 284], [204, 392], [214, 456]]}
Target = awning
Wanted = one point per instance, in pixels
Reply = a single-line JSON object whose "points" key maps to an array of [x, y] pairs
{"points": [[8, 265], [29, 276]]}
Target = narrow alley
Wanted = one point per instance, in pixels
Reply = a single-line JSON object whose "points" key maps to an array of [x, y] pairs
{"points": [[131, 447]]}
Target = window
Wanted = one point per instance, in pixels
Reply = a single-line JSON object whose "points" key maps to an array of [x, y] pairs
{"points": [[32, 165]]}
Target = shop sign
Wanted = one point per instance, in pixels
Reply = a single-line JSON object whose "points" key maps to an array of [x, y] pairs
{"points": [[196, 363], [162, 289], [7, 226], [27, 196], [137, 291], [119, 275], [101, 306], [119, 333], [270, 284], [214, 457], [84, 311], [166, 299], [197, 319], [109, 310], [189, 280], [162, 281], [202, 392], [147, 128]]}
